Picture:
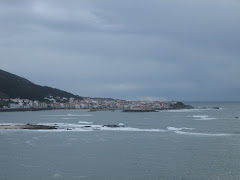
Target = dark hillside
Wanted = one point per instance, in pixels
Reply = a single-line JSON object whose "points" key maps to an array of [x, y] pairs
{"points": [[14, 86]]}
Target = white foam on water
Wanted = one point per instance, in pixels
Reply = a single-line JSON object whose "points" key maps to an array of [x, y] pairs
{"points": [[77, 127], [181, 110], [67, 127], [131, 129], [201, 134], [63, 125], [182, 132], [72, 115], [103, 129], [10, 124], [100, 127], [85, 122], [80, 114], [205, 119], [65, 130], [188, 110], [178, 129], [202, 117]]}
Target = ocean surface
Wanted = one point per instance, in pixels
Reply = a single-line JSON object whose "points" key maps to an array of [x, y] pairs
{"points": [[177, 144]]}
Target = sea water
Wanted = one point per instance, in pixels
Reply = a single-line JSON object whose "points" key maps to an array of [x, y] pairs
{"points": [[177, 144]]}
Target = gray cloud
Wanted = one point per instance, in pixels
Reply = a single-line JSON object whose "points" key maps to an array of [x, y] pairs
{"points": [[185, 50]]}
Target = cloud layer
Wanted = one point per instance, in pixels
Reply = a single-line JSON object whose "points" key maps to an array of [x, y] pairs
{"points": [[184, 50]]}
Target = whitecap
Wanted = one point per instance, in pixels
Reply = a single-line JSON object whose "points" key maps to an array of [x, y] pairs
{"points": [[66, 115], [181, 131], [77, 127], [181, 110], [60, 124], [205, 119], [10, 124], [178, 129], [121, 124], [201, 134], [189, 110], [85, 122], [79, 114], [202, 117], [131, 129], [66, 130]]}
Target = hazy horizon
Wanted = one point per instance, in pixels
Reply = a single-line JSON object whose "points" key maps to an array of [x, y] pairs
{"points": [[159, 50]]}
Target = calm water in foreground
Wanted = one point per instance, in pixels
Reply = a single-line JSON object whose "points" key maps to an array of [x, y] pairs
{"points": [[181, 144]]}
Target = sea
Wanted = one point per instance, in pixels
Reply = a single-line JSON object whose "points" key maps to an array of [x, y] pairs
{"points": [[169, 144]]}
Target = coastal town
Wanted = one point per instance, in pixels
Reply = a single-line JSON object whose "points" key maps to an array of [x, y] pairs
{"points": [[92, 104]]}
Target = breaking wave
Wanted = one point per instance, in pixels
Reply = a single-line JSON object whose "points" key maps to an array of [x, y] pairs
{"points": [[71, 115], [78, 127], [85, 122], [64, 127], [182, 132], [10, 124], [182, 110], [178, 129], [201, 134], [202, 117]]}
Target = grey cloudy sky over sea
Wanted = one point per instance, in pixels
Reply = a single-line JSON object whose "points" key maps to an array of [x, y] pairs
{"points": [[129, 49]]}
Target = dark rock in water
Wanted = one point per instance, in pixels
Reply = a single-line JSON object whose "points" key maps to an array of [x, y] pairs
{"points": [[86, 126], [113, 125], [180, 105], [208, 108], [28, 126], [203, 108], [110, 126], [32, 126], [69, 129], [236, 117], [140, 110]]}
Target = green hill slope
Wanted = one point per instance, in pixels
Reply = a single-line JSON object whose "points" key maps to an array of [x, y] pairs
{"points": [[14, 86]]}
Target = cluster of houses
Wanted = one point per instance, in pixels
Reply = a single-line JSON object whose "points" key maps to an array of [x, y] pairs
{"points": [[17, 103], [85, 103]]}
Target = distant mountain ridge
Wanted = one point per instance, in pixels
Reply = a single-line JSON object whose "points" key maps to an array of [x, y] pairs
{"points": [[13, 86]]}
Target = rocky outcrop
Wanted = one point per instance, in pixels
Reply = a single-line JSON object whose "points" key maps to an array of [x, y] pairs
{"points": [[140, 110], [114, 125], [27, 126], [180, 105]]}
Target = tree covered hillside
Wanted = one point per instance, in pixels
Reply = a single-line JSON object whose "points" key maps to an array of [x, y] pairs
{"points": [[13, 86]]}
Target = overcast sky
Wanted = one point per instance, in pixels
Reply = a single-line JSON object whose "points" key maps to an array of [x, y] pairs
{"points": [[129, 49]]}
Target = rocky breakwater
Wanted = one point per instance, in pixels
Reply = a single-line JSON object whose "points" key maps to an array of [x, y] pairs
{"points": [[28, 126], [180, 105]]}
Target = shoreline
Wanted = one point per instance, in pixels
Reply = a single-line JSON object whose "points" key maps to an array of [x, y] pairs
{"points": [[94, 110], [39, 109], [27, 126]]}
